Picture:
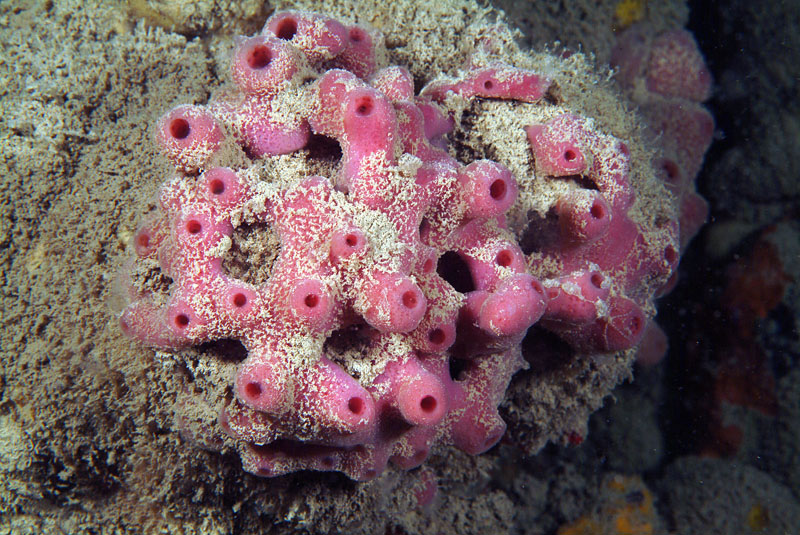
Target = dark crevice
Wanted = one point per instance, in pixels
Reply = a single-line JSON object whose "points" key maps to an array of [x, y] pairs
{"points": [[453, 269], [226, 350], [322, 147]]}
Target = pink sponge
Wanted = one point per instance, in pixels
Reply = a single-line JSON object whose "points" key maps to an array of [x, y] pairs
{"points": [[418, 394], [676, 67], [261, 65], [496, 81], [576, 299], [584, 216], [672, 70], [261, 383], [392, 302], [514, 306], [319, 38], [189, 136], [687, 130], [385, 315], [677, 81], [311, 303], [488, 189], [670, 64], [556, 147], [595, 240], [338, 274]]}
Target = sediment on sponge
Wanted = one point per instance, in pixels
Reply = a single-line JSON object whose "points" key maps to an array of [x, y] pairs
{"points": [[377, 282]]}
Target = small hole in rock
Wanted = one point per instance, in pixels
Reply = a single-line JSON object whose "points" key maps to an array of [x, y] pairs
{"points": [[424, 226], [545, 352]]}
